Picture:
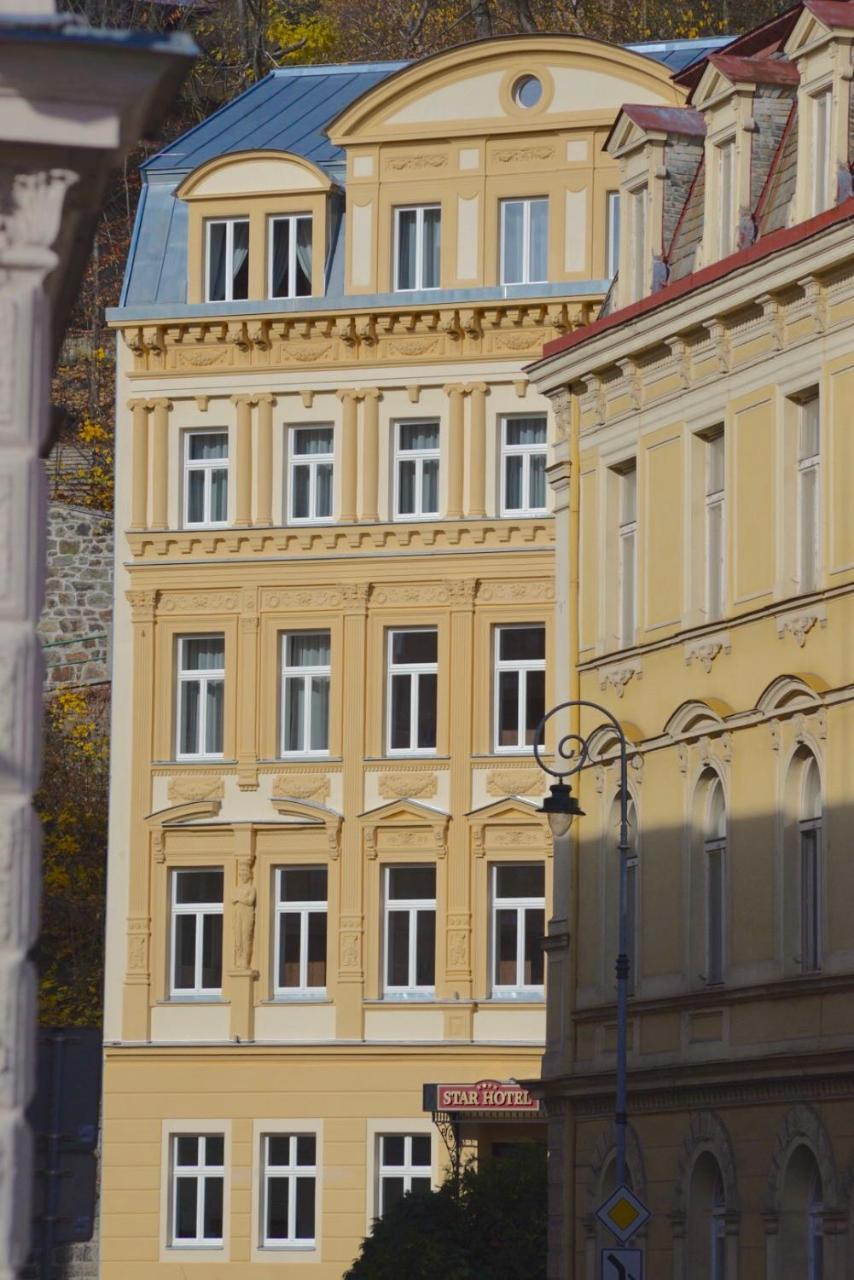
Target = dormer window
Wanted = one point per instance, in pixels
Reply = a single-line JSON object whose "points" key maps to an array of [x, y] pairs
{"points": [[289, 249], [524, 241], [227, 260], [417, 239], [726, 190], [821, 103]]}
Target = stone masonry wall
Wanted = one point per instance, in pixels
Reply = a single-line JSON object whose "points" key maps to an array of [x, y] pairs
{"points": [[76, 623]]}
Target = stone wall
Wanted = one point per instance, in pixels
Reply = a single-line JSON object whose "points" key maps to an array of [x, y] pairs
{"points": [[76, 623]]}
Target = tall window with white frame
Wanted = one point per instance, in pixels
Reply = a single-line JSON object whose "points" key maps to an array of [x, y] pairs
{"points": [[523, 469], [809, 831], [638, 226], [227, 260], [306, 677], [197, 1193], [404, 1166], [809, 491], [201, 695], [289, 1190], [410, 931], [205, 479], [300, 944], [520, 685], [715, 522], [289, 256], [518, 928], [416, 470], [525, 241], [822, 168], [417, 247], [726, 197], [612, 262], [714, 850], [196, 941], [413, 673], [312, 465], [627, 535]]}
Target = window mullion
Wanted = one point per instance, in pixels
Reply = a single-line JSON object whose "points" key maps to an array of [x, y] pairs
{"points": [[522, 677], [292, 257], [414, 692], [303, 948], [413, 947], [520, 946], [419, 249], [229, 260]]}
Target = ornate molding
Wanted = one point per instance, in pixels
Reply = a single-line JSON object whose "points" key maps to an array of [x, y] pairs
{"points": [[411, 593], [515, 782], [186, 787], [199, 602], [509, 155], [705, 649], [407, 785], [31, 204], [618, 676], [294, 598], [532, 591], [426, 160], [800, 624], [301, 786]]}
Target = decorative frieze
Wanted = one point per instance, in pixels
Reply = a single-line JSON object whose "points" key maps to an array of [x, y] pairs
{"points": [[301, 785], [618, 676], [705, 649], [515, 782], [407, 785], [801, 623], [184, 788]]}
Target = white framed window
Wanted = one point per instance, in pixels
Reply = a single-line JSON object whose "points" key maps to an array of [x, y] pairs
{"points": [[809, 492], [822, 167], [413, 673], [404, 1166], [715, 482], [726, 197], [306, 677], [518, 928], [300, 944], [196, 933], [197, 1192], [312, 465], [201, 695], [809, 831], [524, 241], [227, 259], [205, 479], [410, 931], [612, 256], [714, 849], [289, 1190], [289, 255], [416, 470], [523, 464], [417, 247], [640, 270], [520, 686], [627, 540]]}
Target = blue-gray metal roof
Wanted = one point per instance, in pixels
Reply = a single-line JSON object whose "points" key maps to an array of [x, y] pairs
{"points": [[289, 110]]}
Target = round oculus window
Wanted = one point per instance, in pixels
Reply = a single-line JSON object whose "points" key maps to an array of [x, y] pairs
{"points": [[527, 91]]}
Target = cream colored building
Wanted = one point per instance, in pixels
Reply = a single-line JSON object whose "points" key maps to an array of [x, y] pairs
{"points": [[703, 472], [333, 635]]}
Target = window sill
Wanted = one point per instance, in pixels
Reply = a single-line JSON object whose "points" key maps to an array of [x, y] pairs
{"points": [[296, 1000], [194, 1000], [403, 997], [530, 999]]}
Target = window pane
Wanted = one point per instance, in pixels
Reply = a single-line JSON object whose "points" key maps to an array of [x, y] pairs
{"points": [[809, 434], [316, 949], [398, 949], [392, 1192], [508, 708], [203, 653], [240, 261], [412, 884], [214, 1149], [305, 1209], [323, 490], [414, 647], [196, 497], [306, 1149], [213, 1209], [420, 1186], [307, 649], [212, 952], [219, 494], [421, 1149], [418, 435], [512, 232], [715, 915], [278, 1149], [406, 223], [514, 466], [184, 974], [289, 949], [527, 881], [301, 493], [535, 704], [430, 486], [537, 481], [303, 280], [406, 472], [432, 237], [294, 713], [186, 1199], [534, 929], [505, 948], [522, 431], [808, 513], [216, 261], [539, 260], [303, 884], [319, 726], [277, 1208], [186, 1149], [280, 281], [393, 1151], [425, 955], [190, 699], [522, 644], [198, 886], [313, 440], [401, 713], [208, 445], [214, 698], [427, 711]]}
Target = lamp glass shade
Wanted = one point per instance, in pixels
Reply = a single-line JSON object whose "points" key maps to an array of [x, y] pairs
{"points": [[560, 824]]}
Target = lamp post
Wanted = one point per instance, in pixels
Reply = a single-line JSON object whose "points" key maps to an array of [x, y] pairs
{"points": [[561, 806]]}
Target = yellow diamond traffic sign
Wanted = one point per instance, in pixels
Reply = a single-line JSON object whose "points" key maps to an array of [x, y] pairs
{"points": [[623, 1214]]}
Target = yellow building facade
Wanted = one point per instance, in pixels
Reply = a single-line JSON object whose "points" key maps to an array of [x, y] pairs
{"points": [[334, 636], [702, 471]]}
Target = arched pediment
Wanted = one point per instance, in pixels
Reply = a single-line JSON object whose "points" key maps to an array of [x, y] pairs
{"points": [[303, 811], [696, 717], [253, 173], [791, 693], [187, 812], [469, 89]]}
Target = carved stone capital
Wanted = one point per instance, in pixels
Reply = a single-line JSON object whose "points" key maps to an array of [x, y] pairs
{"points": [[31, 205], [800, 624], [617, 677]]}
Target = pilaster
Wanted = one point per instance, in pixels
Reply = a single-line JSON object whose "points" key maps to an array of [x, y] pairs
{"points": [[160, 465], [370, 455], [139, 500], [241, 899], [349, 450], [243, 460], [456, 447], [351, 973], [264, 461], [458, 965], [247, 692], [477, 450]]}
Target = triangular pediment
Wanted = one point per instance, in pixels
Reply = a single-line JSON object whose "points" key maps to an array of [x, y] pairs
{"points": [[404, 813], [626, 136], [713, 86], [809, 32], [512, 809]]}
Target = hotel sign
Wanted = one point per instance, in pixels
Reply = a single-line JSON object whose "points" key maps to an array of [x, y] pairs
{"points": [[498, 1096]]}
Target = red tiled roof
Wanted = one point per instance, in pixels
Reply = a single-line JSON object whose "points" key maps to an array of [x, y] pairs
{"points": [[775, 242], [683, 120], [755, 70], [833, 13], [761, 42]]}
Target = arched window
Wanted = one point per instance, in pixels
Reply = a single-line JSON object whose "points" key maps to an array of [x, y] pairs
{"points": [[801, 1234], [706, 1235], [714, 857], [809, 839]]}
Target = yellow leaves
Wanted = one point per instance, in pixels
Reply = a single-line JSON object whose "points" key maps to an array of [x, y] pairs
{"points": [[309, 40]]}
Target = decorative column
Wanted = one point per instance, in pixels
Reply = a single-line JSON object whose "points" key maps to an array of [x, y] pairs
{"points": [[370, 456], [349, 447], [456, 451], [241, 902], [458, 969], [139, 501], [160, 478], [264, 461], [243, 460], [351, 923], [247, 691], [477, 450]]}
